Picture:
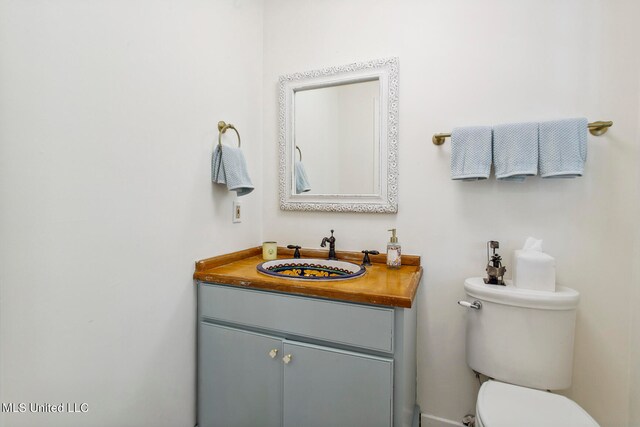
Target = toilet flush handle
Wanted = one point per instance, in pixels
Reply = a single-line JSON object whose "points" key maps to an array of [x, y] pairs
{"points": [[476, 305]]}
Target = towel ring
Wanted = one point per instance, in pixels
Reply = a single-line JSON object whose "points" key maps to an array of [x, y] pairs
{"points": [[299, 151], [222, 127]]}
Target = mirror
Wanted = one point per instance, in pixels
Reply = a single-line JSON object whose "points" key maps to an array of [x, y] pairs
{"points": [[333, 126], [338, 138]]}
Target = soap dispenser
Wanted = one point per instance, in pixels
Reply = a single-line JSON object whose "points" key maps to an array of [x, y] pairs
{"points": [[394, 251]]}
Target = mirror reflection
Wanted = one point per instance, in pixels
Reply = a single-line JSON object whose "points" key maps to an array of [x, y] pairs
{"points": [[336, 134]]}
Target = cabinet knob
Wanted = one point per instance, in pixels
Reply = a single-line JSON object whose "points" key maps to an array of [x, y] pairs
{"points": [[273, 353], [287, 359]]}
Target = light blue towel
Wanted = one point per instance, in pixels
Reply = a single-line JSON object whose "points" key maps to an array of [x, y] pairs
{"points": [[471, 153], [228, 166], [515, 151], [302, 180], [563, 148]]}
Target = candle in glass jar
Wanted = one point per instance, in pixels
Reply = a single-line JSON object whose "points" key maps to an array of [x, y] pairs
{"points": [[269, 251]]}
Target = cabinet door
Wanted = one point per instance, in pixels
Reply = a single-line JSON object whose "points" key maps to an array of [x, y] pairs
{"points": [[326, 387], [240, 383]]}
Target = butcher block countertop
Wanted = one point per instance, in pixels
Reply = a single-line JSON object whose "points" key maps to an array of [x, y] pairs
{"points": [[378, 286]]}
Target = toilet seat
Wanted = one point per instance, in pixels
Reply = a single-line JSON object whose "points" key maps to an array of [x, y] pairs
{"points": [[506, 405]]}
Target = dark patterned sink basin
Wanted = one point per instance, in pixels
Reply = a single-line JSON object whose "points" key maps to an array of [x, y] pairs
{"points": [[311, 269]]}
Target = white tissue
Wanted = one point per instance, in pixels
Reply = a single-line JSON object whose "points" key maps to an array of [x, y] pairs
{"points": [[533, 269], [532, 244]]}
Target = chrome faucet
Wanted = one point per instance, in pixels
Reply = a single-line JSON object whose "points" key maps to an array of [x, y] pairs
{"points": [[332, 245]]}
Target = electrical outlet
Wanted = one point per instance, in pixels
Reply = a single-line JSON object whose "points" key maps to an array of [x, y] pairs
{"points": [[237, 211]]}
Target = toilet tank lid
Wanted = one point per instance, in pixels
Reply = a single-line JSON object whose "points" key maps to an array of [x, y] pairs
{"points": [[506, 405], [562, 299]]}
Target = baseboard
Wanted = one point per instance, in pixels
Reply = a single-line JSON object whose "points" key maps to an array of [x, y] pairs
{"points": [[433, 421]]}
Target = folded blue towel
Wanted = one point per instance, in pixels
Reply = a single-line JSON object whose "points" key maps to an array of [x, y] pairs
{"points": [[563, 148], [515, 151], [471, 153], [228, 166], [302, 180]]}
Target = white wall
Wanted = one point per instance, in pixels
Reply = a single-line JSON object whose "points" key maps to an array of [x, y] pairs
{"points": [[108, 115], [465, 63], [634, 357]]}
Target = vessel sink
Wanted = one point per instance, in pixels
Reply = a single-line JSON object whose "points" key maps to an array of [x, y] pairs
{"points": [[311, 269]]}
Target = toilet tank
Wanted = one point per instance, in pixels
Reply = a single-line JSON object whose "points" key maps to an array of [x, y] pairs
{"points": [[521, 336]]}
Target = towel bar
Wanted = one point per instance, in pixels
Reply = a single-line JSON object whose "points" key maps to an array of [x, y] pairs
{"points": [[596, 128], [222, 127], [299, 151]]}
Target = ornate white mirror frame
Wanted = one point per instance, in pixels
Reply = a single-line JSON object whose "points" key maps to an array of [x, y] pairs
{"points": [[385, 200]]}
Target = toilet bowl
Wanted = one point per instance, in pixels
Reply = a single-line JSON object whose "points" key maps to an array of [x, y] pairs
{"points": [[523, 340], [507, 405]]}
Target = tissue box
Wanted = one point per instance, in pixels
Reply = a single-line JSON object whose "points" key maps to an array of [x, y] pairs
{"points": [[534, 270]]}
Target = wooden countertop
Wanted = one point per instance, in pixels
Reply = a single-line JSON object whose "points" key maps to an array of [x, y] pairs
{"points": [[379, 285]]}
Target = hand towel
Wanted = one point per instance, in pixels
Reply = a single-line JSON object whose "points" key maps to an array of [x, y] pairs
{"points": [[563, 148], [471, 153], [302, 180], [228, 166], [515, 151]]}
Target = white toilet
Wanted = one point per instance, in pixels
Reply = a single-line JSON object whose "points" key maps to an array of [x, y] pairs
{"points": [[523, 340]]}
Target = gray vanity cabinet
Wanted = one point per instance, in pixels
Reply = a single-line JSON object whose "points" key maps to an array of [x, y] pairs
{"points": [[270, 359], [240, 383], [329, 387]]}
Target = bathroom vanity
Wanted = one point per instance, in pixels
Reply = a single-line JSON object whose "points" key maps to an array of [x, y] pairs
{"points": [[278, 352]]}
